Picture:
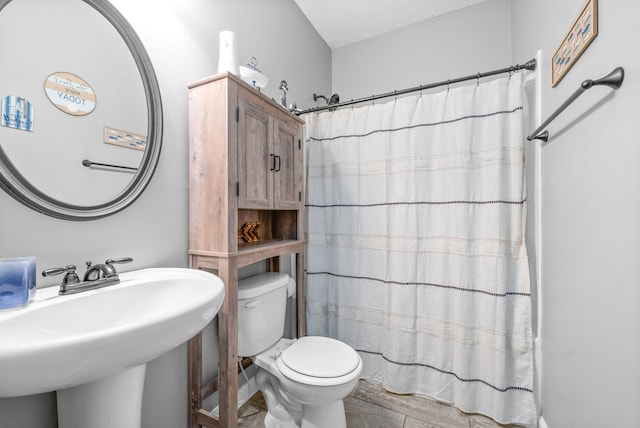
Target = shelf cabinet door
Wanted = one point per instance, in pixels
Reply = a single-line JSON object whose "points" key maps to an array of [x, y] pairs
{"points": [[288, 169], [255, 157]]}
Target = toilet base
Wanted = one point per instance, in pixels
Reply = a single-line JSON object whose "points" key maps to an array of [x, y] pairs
{"points": [[271, 422], [329, 415], [285, 412]]}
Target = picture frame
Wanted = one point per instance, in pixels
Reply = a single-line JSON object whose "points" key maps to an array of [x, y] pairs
{"points": [[580, 35]]}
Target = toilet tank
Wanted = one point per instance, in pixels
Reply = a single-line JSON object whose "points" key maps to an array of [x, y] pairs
{"points": [[262, 301]]}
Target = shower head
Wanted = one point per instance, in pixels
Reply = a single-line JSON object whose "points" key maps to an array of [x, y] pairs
{"points": [[334, 99]]}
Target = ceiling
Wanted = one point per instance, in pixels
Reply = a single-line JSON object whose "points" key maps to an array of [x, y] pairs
{"points": [[341, 22]]}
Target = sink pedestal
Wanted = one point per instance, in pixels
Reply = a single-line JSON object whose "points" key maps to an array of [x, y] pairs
{"points": [[115, 401]]}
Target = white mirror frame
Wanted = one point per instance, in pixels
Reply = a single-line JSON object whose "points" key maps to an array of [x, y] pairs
{"points": [[16, 185]]}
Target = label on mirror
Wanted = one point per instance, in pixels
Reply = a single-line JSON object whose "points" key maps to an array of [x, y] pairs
{"points": [[121, 138], [70, 93], [17, 113]]}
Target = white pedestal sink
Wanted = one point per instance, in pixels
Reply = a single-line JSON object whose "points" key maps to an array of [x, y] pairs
{"points": [[92, 347]]}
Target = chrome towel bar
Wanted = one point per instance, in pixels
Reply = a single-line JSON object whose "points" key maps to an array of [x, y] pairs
{"points": [[612, 80]]}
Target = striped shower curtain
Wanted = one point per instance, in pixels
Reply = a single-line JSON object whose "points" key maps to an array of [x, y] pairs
{"points": [[416, 254]]}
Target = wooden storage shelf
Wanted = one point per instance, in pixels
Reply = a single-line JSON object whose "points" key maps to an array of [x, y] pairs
{"points": [[254, 253], [274, 225], [245, 165], [226, 265]]}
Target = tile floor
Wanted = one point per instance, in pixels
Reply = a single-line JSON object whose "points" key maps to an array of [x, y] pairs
{"points": [[370, 406]]}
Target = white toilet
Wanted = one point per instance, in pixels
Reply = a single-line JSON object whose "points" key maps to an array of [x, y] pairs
{"points": [[304, 380]]}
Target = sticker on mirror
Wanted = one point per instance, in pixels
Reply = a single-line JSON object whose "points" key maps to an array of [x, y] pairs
{"points": [[17, 113], [70, 93]]}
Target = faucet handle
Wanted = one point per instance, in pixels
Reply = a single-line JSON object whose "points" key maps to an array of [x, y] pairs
{"points": [[110, 263], [119, 261], [71, 277]]}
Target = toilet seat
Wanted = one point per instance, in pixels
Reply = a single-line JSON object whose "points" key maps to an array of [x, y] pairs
{"points": [[322, 361]]}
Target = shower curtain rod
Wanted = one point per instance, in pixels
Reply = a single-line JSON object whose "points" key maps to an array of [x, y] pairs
{"points": [[529, 65]]}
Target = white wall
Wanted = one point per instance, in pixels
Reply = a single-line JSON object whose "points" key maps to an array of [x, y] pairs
{"points": [[181, 37], [457, 44], [590, 210]]}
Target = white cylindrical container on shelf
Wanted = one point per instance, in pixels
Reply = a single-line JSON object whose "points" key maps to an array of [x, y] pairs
{"points": [[228, 60]]}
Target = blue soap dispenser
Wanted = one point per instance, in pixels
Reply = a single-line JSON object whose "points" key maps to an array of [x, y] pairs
{"points": [[17, 281]]}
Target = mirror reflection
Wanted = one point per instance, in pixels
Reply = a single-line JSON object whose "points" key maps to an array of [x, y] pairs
{"points": [[50, 80]]}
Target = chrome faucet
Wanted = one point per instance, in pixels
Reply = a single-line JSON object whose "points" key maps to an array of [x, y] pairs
{"points": [[96, 276], [99, 271]]}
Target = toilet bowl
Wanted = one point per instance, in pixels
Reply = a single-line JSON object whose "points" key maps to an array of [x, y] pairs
{"points": [[303, 380]]}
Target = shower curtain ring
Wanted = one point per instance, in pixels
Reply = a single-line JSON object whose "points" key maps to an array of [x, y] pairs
{"points": [[448, 84], [478, 79]]}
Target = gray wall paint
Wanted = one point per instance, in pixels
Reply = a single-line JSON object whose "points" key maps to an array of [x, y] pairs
{"points": [[181, 37], [590, 210], [457, 44], [589, 207]]}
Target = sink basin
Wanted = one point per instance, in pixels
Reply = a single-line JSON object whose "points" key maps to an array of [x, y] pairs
{"points": [[60, 342]]}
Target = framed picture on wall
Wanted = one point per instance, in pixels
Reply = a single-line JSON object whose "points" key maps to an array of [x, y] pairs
{"points": [[582, 32]]}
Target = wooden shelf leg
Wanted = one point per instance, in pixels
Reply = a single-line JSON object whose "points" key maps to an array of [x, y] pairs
{"points": [[301, 295], [195, 379], [228, 345]]}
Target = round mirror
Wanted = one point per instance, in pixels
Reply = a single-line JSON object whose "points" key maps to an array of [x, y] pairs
{"points": [[81, 113]]}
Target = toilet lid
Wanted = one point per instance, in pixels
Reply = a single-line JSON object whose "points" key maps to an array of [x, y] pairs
{"points": [[318, 356]]}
